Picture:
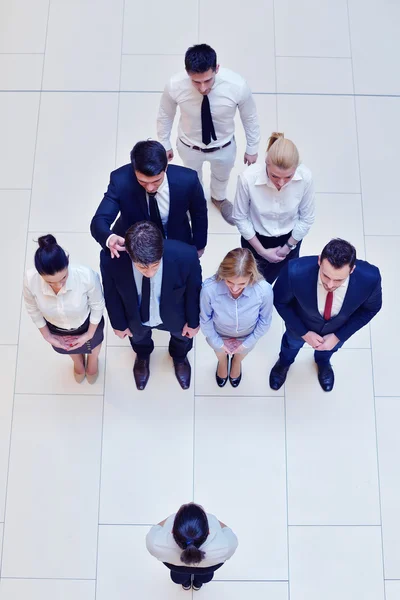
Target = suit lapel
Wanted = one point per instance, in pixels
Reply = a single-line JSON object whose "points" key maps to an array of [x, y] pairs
{"points": [[173, 186], [139, 195], [128, 280]]}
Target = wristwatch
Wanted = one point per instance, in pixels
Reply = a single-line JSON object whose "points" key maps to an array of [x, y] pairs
{"points": [[290, 246]]}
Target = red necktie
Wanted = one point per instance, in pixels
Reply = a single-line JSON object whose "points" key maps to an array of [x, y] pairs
{"points": [[328, 306]]}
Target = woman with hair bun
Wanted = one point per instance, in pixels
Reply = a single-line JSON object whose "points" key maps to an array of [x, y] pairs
{"points": [[192, 544], [66, 303], [274, 206], [235, 311]]}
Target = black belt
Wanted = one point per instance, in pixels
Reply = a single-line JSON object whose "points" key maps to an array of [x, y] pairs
{"points": [[206, 150]]}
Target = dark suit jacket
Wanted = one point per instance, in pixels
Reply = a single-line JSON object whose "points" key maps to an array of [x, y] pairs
{"points": [[295, 299], [126, 196], [180, 288]]}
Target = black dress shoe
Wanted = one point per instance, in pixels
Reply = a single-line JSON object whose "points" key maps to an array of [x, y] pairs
{"points": [[141, 372], [221, 381], [183, 372], [277, 376], [326, 376], [236, 380]]}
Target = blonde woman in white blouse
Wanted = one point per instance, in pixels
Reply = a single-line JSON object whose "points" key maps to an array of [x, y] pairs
{"points": [[66, 303], [274, 206]]}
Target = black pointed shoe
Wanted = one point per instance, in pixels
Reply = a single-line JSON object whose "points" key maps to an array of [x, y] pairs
{"points": [[236, 380], [141, 372], [221, 381], [326, 376], [277, 377]]}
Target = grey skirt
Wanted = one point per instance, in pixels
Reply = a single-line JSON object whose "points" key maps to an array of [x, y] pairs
{"points": [[90, 344]]}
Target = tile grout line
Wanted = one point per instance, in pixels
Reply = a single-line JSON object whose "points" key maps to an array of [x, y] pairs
{"points": [[370, 334], [20, 311]]}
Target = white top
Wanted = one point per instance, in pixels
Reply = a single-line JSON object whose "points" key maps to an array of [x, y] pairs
{"points": [[338, 296], [260, 207], [155, 293], [228, 92], [80, 296], [162, 198], [219, 546]]}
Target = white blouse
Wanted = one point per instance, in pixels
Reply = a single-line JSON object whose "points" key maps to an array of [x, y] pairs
{"points": [[80, 296], [220, 544], [260, 207]]}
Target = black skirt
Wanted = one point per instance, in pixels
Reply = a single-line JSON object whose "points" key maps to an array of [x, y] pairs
{"points": [[90, 344], [270, 271]]}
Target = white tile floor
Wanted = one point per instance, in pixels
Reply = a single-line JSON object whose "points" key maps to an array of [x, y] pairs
{"points": [[309, 481]]}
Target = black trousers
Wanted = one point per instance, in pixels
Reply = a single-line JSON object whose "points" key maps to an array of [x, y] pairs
{"points": [[270, 271], [183, 575], [143, 344]]}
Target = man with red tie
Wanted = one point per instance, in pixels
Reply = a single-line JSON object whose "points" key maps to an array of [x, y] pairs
{"points": [[324, 300]]}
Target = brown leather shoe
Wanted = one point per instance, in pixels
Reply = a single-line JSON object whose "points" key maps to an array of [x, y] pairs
{"points": [[183, 371], [141, 372]]}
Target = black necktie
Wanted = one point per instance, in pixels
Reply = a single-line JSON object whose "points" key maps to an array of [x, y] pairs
{"points": [[154, 213], [207, 125], [145, 300]]}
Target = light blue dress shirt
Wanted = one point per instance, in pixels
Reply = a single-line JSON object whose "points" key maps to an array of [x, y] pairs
{"points": [[247, 317], [155, 294]]}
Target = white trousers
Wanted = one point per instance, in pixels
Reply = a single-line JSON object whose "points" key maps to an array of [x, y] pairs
{"points": [[221, 165]]}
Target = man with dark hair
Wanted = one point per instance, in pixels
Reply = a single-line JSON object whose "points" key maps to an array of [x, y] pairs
{"points": [[150, 189], [154, 284], [324, 300], [208, 98]]}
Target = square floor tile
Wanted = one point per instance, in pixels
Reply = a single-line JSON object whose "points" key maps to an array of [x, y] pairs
{"points": [[8, 359], [375, 46], [83, 49], [18, 124], [382, 252], [314, 75], [387, 416], [140, 429], [335, 562], [237, 590], [218, 246], [375, 117], [1, 540], [53, 488], [47, 589], [257, 64], [331, 443], [392, 589], [14, 204], [324, 130], [243, 468], [23, 25], [21, 71], [75, 152], [149, 72], [171, 30], [305, 28], [126, 569]]}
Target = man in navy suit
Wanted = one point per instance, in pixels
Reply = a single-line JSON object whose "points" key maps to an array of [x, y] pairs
{"points": [[147, 190], [324, 300], [154, 284]]}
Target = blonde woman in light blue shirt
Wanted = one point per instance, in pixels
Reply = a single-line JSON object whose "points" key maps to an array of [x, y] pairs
{"points": [[235, 311]]}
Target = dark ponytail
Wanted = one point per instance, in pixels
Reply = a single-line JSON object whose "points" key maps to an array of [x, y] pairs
{"points": [[190, 531], [50, 258]]}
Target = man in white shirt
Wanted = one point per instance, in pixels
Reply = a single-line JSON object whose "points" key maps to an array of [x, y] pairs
{"points": [[324, 300], [208, 98]]}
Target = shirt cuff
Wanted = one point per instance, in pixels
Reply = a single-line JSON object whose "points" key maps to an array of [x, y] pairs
{"points": [[167, 145], [108, 239], [252, 149], [40, 322], [95, 317]]}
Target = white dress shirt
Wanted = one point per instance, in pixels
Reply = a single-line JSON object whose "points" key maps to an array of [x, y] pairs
{"points": [[228, 92], [338, 296], [155, 294], [80, 296], [162, 198], [260, 207], [219, 546]]}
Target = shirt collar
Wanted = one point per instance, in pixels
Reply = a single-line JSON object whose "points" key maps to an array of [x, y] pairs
{"points": [[263, 179], [344, 285], [222, 288], [47, 290]]}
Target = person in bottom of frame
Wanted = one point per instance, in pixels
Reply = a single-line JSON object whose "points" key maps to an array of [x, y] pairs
{"points": [[324, 300], [154, 284], [193, 544]]}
